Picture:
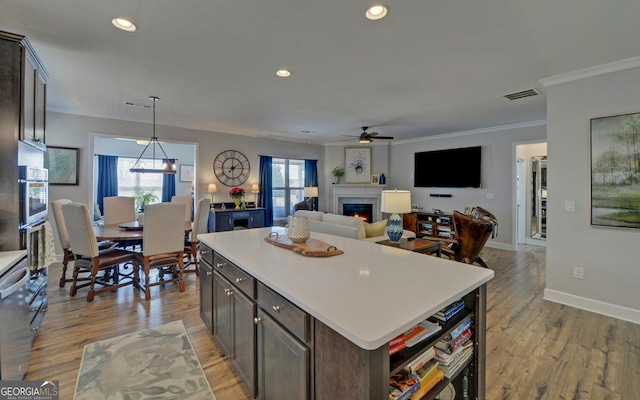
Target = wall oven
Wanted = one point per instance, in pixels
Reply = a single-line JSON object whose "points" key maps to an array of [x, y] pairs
{"points": [[34, 189]]}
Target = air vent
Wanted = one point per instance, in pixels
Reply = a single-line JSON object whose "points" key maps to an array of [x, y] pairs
{"points": [[520, 95], [131, 104]]}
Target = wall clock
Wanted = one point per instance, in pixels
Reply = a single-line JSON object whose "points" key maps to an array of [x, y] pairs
{"points": [[231, 168]]}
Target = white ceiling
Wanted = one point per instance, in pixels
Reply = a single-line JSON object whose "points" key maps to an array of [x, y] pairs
{"points": [[430, 67]]}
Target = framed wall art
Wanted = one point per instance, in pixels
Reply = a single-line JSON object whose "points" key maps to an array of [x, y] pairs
{"points": [[63, 165], [186, 173], [615, 171], [357, 164]]}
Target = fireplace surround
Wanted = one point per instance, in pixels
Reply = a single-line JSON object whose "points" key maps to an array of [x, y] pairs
{"points": [[357, 194]]}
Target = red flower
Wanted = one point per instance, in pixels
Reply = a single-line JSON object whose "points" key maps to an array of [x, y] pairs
{"points": [[236, 192]]}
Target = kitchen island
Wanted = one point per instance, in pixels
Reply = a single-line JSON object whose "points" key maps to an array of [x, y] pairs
{"points": [[331, 317]]}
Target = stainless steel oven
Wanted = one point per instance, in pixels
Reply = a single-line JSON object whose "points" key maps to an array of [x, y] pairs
{"points": [[34, 192]]}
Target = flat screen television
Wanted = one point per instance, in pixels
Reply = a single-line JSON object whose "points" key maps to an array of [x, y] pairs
{"points": [[452, 168]]}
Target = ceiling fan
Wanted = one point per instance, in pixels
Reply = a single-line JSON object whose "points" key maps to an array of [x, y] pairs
{"points": [[368, 137]]}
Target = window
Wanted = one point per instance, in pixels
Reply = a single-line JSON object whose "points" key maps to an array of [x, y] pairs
{"points": [[288, 186], [128, 181]]}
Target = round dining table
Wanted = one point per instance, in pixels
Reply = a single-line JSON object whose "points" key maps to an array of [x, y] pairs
{"points": [[115, 232]]}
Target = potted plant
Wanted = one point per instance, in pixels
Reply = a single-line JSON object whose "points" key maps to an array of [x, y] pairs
{"points": [[143, 197], [236, 194], [338, 172]]}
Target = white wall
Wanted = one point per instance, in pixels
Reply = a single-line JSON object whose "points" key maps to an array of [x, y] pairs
{"points": [[610, 256], [497, 176]]}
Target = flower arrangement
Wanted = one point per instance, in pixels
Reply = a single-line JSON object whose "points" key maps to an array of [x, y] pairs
{"points": [[236, 192], [338, 172]]}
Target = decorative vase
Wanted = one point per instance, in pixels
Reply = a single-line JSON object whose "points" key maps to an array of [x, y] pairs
{"points": [[337, 178], [237, 200], [298, 231]]}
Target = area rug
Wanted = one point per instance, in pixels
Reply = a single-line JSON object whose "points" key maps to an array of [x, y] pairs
{"points": [[156, 363]]}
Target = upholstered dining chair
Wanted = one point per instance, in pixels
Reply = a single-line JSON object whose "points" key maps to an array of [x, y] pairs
{"points": [[200, 225], [163, 244], [56, 206], [188, 203], [87, 255], [119, 209]]}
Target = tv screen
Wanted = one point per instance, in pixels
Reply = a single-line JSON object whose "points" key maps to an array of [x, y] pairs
{"points": [[448, 168]]}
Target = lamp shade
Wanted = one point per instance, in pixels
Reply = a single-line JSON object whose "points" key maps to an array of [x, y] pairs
{"points": [[311, 191], [212, 188], [255, 188], [396, 201]]}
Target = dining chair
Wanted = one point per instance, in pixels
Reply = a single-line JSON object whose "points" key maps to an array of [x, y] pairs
{"points": [[67, 254], [188, 202], [200, 225], [163, 244], [119, 209], [87, 255]]}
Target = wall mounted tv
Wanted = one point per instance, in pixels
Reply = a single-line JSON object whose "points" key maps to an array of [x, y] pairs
{"points": [[453, 168]]}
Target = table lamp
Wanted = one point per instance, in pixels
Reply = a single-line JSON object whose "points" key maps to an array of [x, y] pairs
{"points": [[255, 189], [212, 189], [395, 202], [311, 192]]}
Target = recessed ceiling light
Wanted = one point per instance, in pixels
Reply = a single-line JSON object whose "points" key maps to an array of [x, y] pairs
{"points": [[377, 11], [124, 24], [283, 73]]}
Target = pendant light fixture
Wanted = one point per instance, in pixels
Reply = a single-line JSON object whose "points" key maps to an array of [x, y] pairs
{"points": [[139, 166]]}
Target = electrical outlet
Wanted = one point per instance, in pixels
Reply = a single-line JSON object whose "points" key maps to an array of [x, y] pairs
{"points": [[578, 272], [570, 206]]}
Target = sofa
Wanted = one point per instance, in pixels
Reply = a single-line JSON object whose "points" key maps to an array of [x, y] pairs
{"points": [[349, 227]]}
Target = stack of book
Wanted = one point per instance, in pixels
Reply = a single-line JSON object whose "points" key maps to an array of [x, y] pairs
{"points": [[402, 385], [451, 363], [450, 311], [429, 375], [415, 335]]}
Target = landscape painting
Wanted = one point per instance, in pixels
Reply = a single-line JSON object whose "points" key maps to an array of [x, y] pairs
{"points": [[615, 171]]}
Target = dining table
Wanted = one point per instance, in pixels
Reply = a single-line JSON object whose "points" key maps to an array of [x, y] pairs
{"points": [[125, 231]]}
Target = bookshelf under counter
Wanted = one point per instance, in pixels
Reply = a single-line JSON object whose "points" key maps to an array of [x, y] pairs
{"points": [[355, 304]]}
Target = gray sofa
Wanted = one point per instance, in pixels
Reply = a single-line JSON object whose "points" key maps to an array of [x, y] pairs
{"points": [[350, 227]]}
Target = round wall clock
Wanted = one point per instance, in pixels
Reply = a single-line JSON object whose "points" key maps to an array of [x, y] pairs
{"points": [[231, 168]]}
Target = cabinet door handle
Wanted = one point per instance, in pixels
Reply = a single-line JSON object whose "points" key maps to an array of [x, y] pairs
{"points": [[208, 273], [229, 292], [219, 265], [257, 320], [276, 308], [229, 221], [238, 280]]}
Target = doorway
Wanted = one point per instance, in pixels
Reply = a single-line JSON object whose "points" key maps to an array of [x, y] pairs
{"points": [[528, 198]]}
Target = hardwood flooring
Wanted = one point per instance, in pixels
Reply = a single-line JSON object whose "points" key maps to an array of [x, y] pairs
{"points": [[535, 349]]}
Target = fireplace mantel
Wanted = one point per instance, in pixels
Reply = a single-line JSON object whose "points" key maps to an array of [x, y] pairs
{"points": [[357, 193]]}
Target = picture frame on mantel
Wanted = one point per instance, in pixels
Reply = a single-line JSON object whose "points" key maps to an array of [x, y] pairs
{"points": [[357, 165], [63, 165]]}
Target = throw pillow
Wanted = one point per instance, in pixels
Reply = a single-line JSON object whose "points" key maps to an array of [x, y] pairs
{"points": [[375, 229]]}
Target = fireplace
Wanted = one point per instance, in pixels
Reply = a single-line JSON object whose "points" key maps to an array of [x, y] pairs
{"points": [[364, 211], [345, 195]]}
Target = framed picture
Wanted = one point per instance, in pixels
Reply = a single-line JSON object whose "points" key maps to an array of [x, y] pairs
{"points": [[615, 171], [186, 173], [63, 165], [357, 164], [375, 179]]}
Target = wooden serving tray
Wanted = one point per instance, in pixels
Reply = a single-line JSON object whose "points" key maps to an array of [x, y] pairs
{"points": [[310, 248]]}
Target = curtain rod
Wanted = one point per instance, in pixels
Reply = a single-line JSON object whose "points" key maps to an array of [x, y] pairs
{"points": [[95, 155], [290, 158]]}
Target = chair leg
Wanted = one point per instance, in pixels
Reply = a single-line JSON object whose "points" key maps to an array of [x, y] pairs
{"points": [[481, 262], [65, 262], [147, 291], [94, 272], [181, 272], [194, 254]]}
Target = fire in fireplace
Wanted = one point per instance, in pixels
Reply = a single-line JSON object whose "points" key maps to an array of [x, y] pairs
{"points": [[364, 211]]}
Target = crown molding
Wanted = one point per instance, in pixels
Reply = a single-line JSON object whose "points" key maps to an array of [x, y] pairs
{"points": [[615, 66]]}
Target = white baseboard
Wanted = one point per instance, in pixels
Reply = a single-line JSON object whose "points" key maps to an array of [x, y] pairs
{"points": [[596, 306]]}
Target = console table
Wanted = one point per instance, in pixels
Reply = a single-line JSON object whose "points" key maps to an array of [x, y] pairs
{"points": [[228, 220]]}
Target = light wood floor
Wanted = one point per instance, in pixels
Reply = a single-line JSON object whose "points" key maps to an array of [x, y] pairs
{"points": [[535, 349]]}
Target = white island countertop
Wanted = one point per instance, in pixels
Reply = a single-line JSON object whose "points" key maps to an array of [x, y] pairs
{"points": [[370, 294], [9, 258]]}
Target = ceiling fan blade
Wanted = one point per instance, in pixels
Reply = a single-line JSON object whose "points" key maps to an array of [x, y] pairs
{"points": [[384, 137]]}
